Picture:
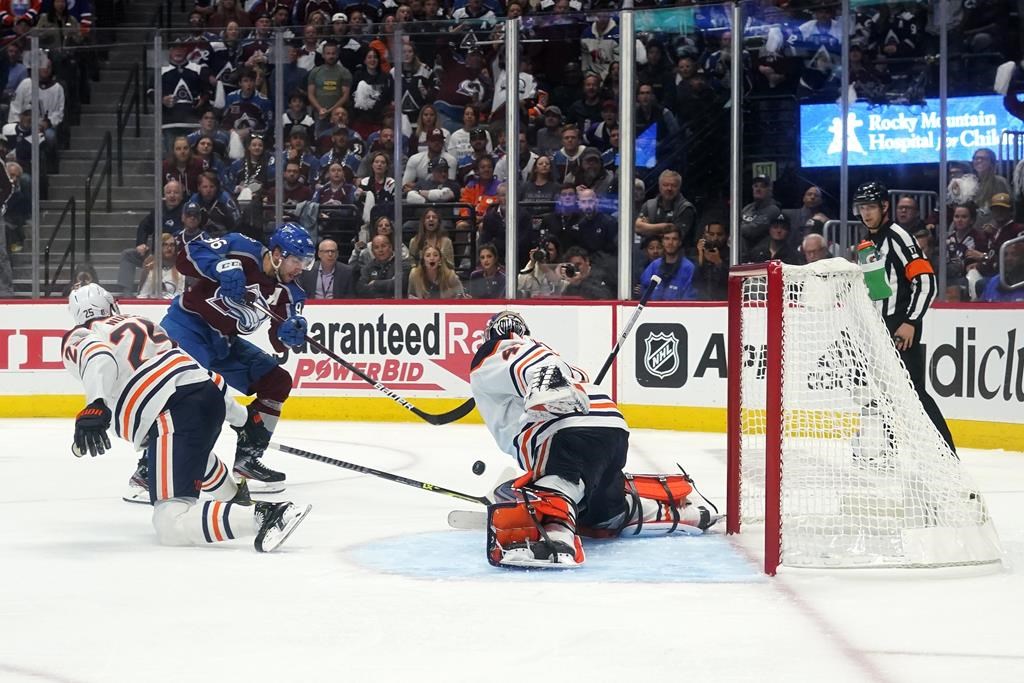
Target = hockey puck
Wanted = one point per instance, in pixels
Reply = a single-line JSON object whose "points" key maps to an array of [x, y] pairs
{"points": [[479, 467]]}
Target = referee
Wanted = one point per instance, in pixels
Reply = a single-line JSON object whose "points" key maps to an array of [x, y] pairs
{"points": [[914, 286]]}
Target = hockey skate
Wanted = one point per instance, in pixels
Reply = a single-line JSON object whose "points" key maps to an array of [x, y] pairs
{"points": [[275, 523], [253, 438], [138, 491]]}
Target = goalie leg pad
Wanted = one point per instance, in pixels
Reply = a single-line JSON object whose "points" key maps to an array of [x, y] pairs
{"points": [[659, 504], [536, 529]]}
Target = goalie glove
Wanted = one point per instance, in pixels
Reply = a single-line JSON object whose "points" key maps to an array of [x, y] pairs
{"points": [[551, 393], [91, 426]]}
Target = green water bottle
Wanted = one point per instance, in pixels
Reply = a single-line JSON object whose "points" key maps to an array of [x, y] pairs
{"points": [[873, 268]]}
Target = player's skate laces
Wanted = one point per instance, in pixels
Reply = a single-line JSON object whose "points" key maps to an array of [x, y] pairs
{"points": [[275, 522]]}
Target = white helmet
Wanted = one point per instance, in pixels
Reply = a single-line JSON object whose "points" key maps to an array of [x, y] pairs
{"points": [[90, 302]]}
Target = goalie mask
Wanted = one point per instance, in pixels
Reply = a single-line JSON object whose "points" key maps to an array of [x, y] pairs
{"points": [[91, 302], [504, 322]]}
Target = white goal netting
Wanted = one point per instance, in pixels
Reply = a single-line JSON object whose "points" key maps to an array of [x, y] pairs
{"points": [[866, 479]]}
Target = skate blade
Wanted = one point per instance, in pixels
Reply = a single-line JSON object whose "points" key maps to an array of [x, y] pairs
{"points": [[137, 495], [288, 530], [264, 488], [522, 558]]}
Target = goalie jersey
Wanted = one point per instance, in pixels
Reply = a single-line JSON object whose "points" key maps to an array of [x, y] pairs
{"points": [[499, 378], [131, 364]]}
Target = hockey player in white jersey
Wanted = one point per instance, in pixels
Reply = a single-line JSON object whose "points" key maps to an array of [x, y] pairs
{"points": [[572, 441], [163, 402]]}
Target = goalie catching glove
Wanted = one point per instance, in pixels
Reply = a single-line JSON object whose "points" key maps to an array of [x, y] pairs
{"points": [[91, 427], [552, 392]]}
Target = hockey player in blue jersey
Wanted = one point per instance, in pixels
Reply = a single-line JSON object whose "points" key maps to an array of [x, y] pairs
{"points": [[211, 318]]}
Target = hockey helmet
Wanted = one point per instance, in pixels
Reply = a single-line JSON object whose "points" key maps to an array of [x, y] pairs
{"points": [[870, 193], [90, 302], [293, 240], [504, 322]]}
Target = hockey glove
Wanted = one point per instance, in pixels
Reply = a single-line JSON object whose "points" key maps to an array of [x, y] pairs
{"points": [[232, 279], [293, 331], [551, 393], [91, 429]]}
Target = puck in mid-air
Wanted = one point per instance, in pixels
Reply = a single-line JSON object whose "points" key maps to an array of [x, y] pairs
{"points": [[479, 467]]}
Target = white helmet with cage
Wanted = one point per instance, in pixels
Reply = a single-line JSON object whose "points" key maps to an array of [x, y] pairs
{"points": [[90, 302]]}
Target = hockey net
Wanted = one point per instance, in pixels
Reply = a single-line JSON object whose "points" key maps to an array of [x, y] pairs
{"points": [[829, 446]]}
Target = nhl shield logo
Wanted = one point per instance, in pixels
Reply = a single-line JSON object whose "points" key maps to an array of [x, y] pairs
{"points": [[661, 355]]}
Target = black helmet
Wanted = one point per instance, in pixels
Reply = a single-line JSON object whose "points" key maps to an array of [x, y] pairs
{"points": [[871, 193], [504, 322]]}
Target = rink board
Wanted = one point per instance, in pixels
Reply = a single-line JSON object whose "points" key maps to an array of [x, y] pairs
{"points": [[670, 373]]}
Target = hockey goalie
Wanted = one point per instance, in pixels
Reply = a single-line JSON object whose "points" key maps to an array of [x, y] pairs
{"points": [[572, 441]]}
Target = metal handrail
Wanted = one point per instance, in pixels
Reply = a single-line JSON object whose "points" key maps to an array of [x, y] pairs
{"points": [[69, 205], [124, 114], [92, 189]]}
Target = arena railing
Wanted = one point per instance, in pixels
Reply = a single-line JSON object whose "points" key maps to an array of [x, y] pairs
{"points": [[70, 209], [94, 183], [131, 97]]}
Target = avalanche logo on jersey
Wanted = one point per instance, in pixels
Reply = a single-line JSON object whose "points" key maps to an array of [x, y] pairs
{"points": [[248, 317]]}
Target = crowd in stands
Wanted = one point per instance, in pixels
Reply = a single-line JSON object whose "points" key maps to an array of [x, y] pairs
{"points": [[340, 123]]}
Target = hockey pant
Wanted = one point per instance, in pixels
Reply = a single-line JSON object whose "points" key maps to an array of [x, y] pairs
{"points": [[182, 463], [246, 368]]}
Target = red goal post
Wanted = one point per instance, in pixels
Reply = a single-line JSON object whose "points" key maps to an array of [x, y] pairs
{"points": [[828, 445]]}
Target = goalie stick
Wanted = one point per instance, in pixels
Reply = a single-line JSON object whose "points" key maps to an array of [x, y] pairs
{"points": [[452, 415]]}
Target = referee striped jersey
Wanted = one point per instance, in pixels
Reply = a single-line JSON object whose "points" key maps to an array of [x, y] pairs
{"points": [[131, 364], [909, 273], [498, 378]]}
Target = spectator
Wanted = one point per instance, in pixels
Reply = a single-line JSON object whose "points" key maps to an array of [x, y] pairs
{"points": [[418, 166], [712, 276], [650, 113], [540, 276], [228, 11], [18, 209], [172, 283], [437, 187], [599, 47], [586, 111], [465, 81], [337, 190], [669, 210], [377, 278], [16, 70], [342, 152], [811, 204], [208, 128], [756, 216], [599, 134], [583, 280], [362, 255], [908, 215], [432, 233], [989, 182], [294, 78], [814, 248], [1013, 262], [329, 86], [965, 246], [998, 230], [328, 279], [596, 232], [371, 94], [182, 166], [775, 247], [926, 243], [420, 87], [208, 161], [297, 114], [676, 271], [427, 123], [309, 52], [247, 177], [596, 177], [51, 101], [527, 160], [172, 225], [479, 141], [309, 164], [566, 161], [460, 143], [493, 227], [549, 137], [220, 213], [482, 189], [18, 139], [432, 278], [377, 190], [183, 92], [295, 191], [651, 249], [488, 280]]}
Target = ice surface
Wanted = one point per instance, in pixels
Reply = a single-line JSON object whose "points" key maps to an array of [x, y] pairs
{"points": [[375, 587]]}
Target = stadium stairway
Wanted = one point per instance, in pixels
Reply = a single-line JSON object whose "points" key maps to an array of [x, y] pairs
{"points": [[114, 230]]}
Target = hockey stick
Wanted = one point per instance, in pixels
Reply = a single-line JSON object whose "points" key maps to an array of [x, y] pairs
{"points": [[452, 415], [655, 281], [308, 455]]}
